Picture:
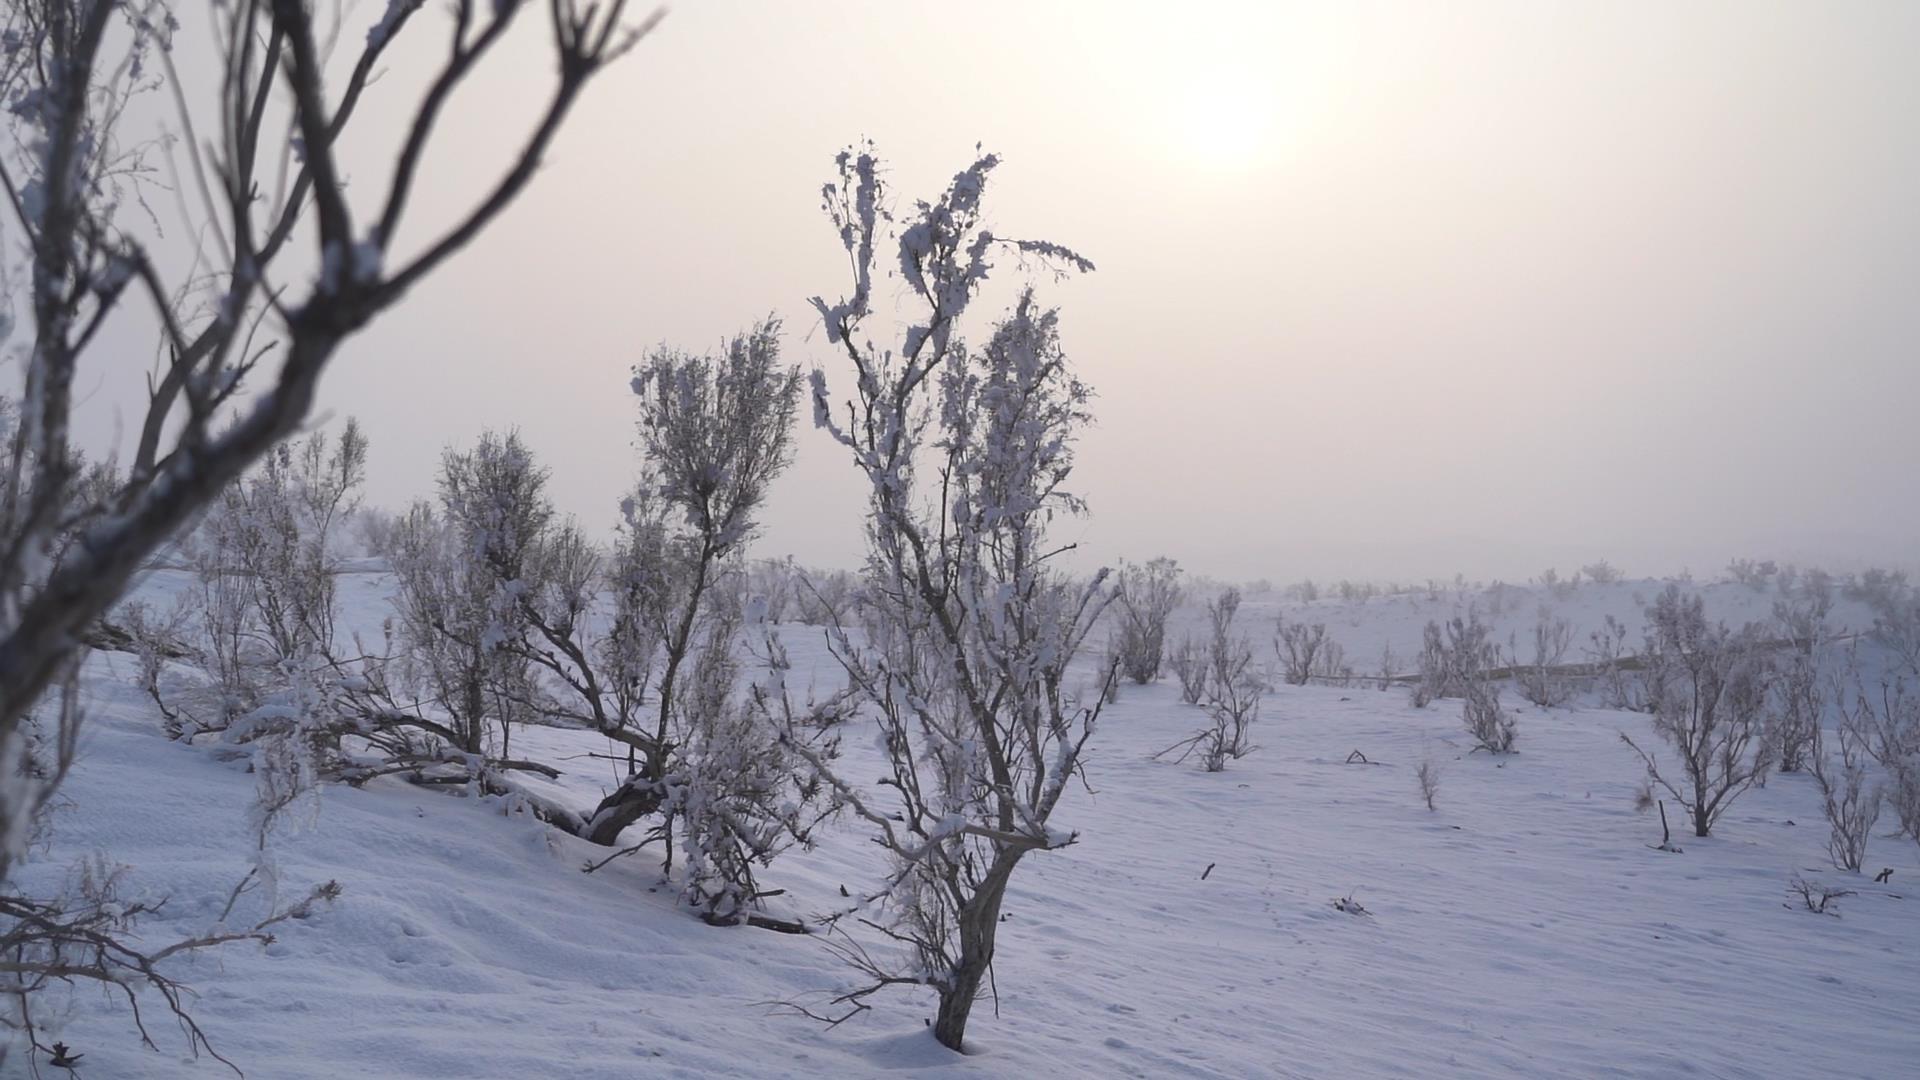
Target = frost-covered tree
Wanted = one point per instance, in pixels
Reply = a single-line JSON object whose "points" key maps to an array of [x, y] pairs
{"points": [[970, 630], [284, 273], [1707, 689]]}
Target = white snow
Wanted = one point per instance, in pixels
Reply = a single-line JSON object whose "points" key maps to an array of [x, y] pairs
{"points": [[1525, 929]]}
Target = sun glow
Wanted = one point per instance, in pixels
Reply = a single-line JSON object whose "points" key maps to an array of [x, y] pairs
{"points": [[1224, 122]]}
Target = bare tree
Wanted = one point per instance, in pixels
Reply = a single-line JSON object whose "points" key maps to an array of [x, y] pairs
{"points": [[1708, 689], [970, 631]]}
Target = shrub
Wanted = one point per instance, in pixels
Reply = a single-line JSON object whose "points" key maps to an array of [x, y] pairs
{"points": [[1707, 687], [1147, 596]]}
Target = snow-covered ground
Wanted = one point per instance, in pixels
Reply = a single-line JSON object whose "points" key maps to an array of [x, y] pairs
{"points": [[1526, 928]]}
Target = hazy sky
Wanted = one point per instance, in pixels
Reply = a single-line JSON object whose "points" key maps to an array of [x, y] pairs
{"points": [[1384, 290]]}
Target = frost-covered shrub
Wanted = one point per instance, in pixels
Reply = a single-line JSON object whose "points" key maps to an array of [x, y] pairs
{"points": [[1229, 688], [1356, 592], [460, 609], [1454, 656], [1189, 663], [1886, 716], [1880, 589], [1389, 667], [1707, 687], [1754, 574], [1795, 702], [1851, 802], [1601, 573], [509, 617], [1540, 676], [1146, 598], [1306, 652], [1616, 668], [1560, 588], [373, 529], [771, 584], [266, 559], [1896, 627], [825, 597], [1797, 698], [1428, 775], [1493, 728]]}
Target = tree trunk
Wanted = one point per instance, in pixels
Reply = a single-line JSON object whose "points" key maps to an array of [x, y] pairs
{"points": [[979, 921], [628, 803]]}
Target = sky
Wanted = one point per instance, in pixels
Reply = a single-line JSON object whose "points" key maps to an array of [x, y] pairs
{"points": [[1385, 291]]}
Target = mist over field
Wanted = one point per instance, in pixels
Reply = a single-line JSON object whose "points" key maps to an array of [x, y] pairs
{"points": [[1246, 539]]}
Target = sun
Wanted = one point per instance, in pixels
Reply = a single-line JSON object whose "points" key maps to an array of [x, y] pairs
{"points": [[1223, 122]]}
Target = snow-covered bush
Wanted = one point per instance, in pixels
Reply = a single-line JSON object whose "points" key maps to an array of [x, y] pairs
{"points": [[972, 630], [1146, 598], [1707, 689]]}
